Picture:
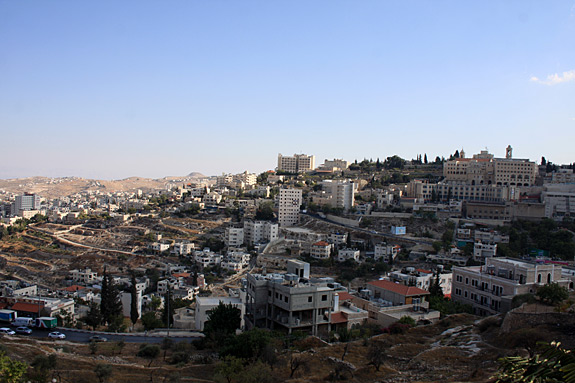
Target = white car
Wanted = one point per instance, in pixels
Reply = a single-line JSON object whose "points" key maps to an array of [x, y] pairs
{"points": [[7, 331], [56, 335]]}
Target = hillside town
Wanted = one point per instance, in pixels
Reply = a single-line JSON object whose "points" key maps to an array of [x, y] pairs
{"points": [[328, 254]]}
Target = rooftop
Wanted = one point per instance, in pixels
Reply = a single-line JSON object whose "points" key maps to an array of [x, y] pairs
{"points": [[398, 288]]}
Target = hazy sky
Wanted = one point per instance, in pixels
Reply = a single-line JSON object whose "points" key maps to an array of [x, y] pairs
{"points": [[112, 89]]}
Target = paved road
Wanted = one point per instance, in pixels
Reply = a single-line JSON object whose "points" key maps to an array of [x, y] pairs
{"points": [[84, 337]]}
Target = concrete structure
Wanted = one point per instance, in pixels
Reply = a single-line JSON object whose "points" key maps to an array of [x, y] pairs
{"points": [[559, 201], [298, 163], [260, 232], [289, 303], [481, 251], [84, 277], [491, 288], [207, 258], [345, 254], [321, 250], [333, 165], [339, 193], [385, 252], [183, 247], [289, 203], [422, 279], [234, 236], [25, 202]]}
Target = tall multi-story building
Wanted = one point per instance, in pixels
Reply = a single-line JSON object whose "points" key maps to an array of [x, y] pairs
{"points": [[490, 288], [298, 163], [25, 202], [289, 202], [339, 193]]}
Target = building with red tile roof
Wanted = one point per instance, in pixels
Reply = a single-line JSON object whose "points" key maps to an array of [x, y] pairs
{"points": [[396, 293], [321, 250]]}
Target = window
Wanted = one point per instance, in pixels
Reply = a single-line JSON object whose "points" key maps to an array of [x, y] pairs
{"points": [[324, 298], [309, 299]]}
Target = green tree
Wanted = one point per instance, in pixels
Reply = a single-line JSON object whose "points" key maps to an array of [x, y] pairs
{"points": [[134, 314], [435, 289], [151, 321], [555, 364], [169, 309], [11, 371], [41, 367], [110, 304], [224, 319], [552, 294], [103, 372], [376, 354], [94, 317], [149, 351], [406, 320], [230, 368], [265, 212]]}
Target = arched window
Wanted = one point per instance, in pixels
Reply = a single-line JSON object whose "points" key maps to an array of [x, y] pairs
{"points": [[539, 278], [548, 278]]}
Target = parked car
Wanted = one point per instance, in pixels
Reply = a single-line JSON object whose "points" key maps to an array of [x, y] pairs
{"points": [[56, 335], [23, 330], [7, 331], [98, 338]]}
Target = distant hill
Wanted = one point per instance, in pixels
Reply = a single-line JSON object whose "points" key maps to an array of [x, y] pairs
{"points": [[58, 187]]}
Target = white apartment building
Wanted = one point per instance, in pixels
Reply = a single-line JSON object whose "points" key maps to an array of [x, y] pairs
{"points": [[160, 247], [490, 288], [207, 258], [339, 193], [212, 198], [260, 231], [234, 236], [298, 163], [559, 201], [422, 279], [289, 203], [321, 250], [85, 277], [241, 180], [484, 250], [345, 254], [490, 236], [337, 238], [385, 252], [183, 247]]}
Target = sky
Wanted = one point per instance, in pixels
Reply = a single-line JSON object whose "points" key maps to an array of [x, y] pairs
{"points": [[111, 89]]}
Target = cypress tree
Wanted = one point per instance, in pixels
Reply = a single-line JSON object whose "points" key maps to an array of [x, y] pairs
{"points": [[134, 301]]}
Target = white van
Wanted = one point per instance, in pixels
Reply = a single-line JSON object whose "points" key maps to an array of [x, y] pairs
{"points": [[23, 321]]}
